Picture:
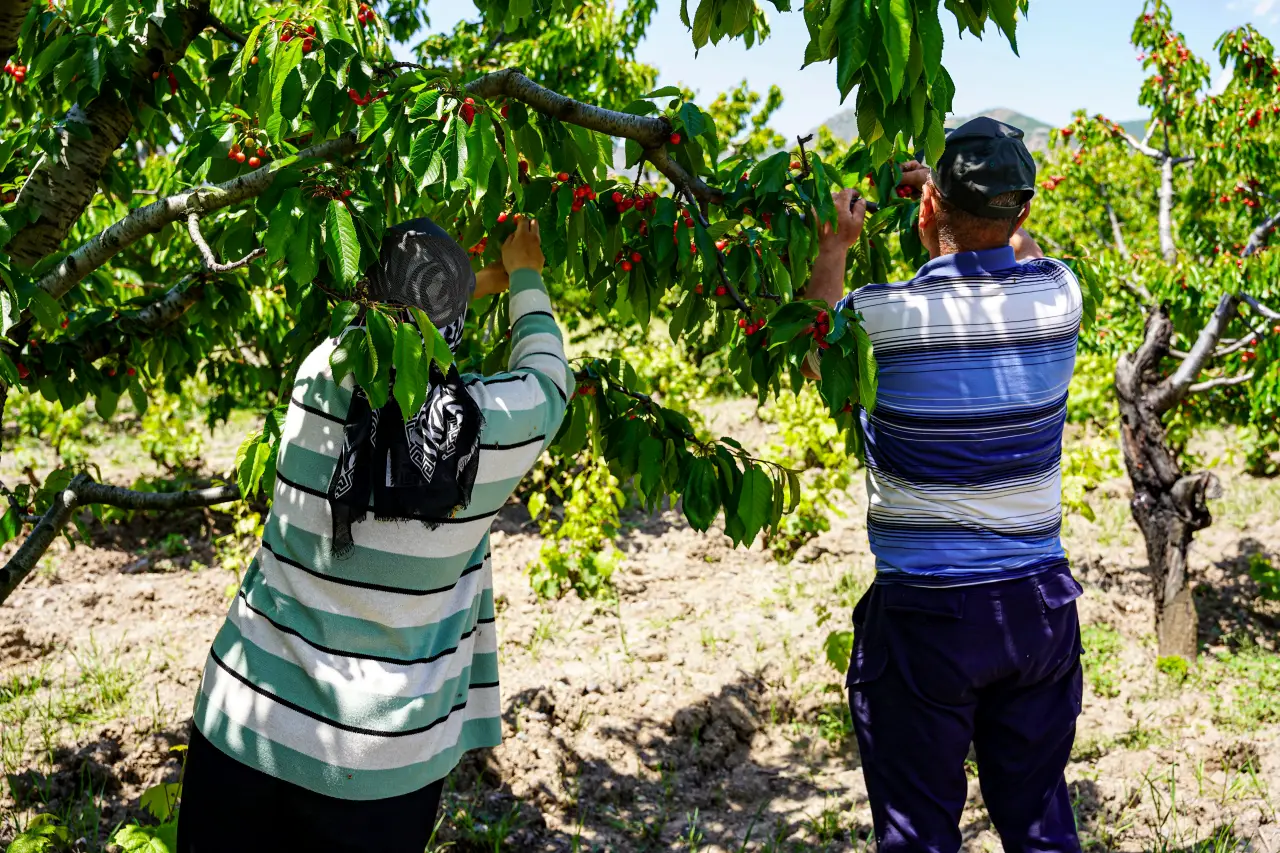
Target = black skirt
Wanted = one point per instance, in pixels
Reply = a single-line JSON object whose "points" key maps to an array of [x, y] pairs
{"points": [[227, 805]]}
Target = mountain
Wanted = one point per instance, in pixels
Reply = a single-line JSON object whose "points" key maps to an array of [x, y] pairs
{"points": [[844, 125]]}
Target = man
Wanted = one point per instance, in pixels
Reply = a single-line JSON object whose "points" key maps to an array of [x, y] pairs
{"points": [[359, 660], [969, 633]]}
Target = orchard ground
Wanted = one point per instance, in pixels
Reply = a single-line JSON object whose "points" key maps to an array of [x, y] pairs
{"points": [[695, 711]]}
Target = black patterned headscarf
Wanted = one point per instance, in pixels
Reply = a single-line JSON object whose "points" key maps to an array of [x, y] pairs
{"points": [[422, 469]]}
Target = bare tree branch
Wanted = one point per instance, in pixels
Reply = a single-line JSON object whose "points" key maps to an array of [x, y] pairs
{"points": [[651, 133], [1167, 246], [1141, 147], [1138, 289], [83, 491], [1240, 343], [1170, 391], [206, 254], [226, 31], [1259, 234], [152, 217], [1219, 382], [1259, 308]]}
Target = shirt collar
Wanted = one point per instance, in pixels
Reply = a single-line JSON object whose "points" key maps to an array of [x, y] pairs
{"points": [[970, 263]]}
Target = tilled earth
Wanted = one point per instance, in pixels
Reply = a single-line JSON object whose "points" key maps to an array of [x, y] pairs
{"points": [[696, 711]]}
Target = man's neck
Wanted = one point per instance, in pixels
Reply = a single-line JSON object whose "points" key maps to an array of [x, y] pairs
{"points": [[945, 249]]}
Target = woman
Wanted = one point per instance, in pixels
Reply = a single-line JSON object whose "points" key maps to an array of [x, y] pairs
{"points": [[359, 659]]}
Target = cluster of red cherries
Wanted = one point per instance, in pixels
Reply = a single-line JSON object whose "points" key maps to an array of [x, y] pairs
{"points": [[254, 160], [365, 100], [625, 261], [751, 326], [17, 72], [366, 15], [820, 328], [307, 34]]}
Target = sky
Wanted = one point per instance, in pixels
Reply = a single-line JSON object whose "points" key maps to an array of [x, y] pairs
{"points": [[1074, 54]]}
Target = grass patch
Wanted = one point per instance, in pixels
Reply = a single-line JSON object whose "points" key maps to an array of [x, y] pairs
{"points": [[1102, 645], [1245, 688]]}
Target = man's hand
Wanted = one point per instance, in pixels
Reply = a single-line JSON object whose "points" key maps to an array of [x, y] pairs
{"points": [[491, 280], [848, 225], [523, 249], [914, 176]]}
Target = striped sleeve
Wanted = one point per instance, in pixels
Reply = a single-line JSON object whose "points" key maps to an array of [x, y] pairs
{"points": [[538, 376]]}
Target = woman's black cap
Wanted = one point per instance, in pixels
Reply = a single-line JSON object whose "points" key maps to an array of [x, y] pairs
{"points": [[985, 158]]}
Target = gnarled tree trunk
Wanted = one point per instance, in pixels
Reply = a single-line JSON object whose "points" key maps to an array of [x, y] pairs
{"points": [[1168, 504]]}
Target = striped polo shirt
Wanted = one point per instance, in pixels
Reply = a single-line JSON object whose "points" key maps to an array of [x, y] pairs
{"points": [[964, 447], [368, 677]]}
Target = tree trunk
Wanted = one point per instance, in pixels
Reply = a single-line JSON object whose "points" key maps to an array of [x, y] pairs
{"points": [[12, 14], [1168, 505]]}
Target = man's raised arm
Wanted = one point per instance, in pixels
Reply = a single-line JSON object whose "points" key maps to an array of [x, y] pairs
{"points": [[827, 282]]}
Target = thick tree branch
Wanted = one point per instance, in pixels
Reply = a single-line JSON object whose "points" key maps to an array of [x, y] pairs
{"points": [[211, 263], [1259, 308], [12, 13], [83, 491], [154, 317], [649, 132], [227, 32], [1219, 382], [1170, 391], [61, 185], [1260, 234], [152, 217], [1141, 147]]}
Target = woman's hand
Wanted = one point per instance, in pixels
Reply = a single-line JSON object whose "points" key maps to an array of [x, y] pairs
{"points": [[523, 249], [491, 281]]}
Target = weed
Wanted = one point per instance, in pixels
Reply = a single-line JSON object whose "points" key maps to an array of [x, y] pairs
{"points": [[1265, 575], [1174, 667], [1102, 646]]}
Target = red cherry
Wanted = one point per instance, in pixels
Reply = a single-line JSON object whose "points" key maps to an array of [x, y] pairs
{"points": [[626, 266], [254, 162], [239, 155], [468, 113], [111, 371], [311, 30], [346, 193], [562, 177], [721, 290], [23, 373], [284, 37], [617, 197], [131, 372], [636, 256], [65, 322], [253, 60], [307, 44], [262, 152], [502, 217], [698, 289], [576, 206], [796, 164], [469, 101], [155, 75], [742, 324], [505, 111], [1067, 131], [353, 94], [675, 139]]}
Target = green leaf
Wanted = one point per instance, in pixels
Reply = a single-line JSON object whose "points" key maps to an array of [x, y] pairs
{"points": [[895, 20], [133, 838], [929, 28], [434, 344], [138, 395], [291, 96], [303, 264], [105, 402], [10, 525], [837, 381], [701, 497], [381, 342], [422, 150], [344, 314], [161, 799], [341, 245], [424, 107], [702, 23], [410, 384], [45, 307], [867, 379], [664, 92], [281, 223], [755, 502], [692, 119], [349, 356]]}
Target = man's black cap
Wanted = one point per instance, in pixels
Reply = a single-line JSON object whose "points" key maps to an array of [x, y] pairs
{"points": [[985, 158]]}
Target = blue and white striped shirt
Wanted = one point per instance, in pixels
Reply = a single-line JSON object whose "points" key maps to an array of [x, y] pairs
{"points": [[964, 447]]}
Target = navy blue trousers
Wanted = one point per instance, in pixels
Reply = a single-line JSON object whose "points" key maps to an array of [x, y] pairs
{"points": [[934, 670]]}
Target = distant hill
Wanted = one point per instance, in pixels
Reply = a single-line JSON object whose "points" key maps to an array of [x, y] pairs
{"points": [[844, 125]]}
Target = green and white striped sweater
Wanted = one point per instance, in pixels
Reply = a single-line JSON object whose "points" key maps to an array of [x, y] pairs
{"points": [[368, 677]]}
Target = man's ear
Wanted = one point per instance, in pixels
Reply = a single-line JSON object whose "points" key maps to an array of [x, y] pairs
{"points": [[1026, 213]]}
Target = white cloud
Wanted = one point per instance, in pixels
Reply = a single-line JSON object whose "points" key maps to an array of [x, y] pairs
{"points": [[1263, 7]]}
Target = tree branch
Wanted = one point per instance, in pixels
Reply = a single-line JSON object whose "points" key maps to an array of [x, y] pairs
{"points": [[83, 491], [1219, 382], [159, 314], [206, 254], [1141, 147], [1167, 246], [1259, 308], [226, 31], [1259, 234], [152, 217], [650, 133], [1170, 391]]}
